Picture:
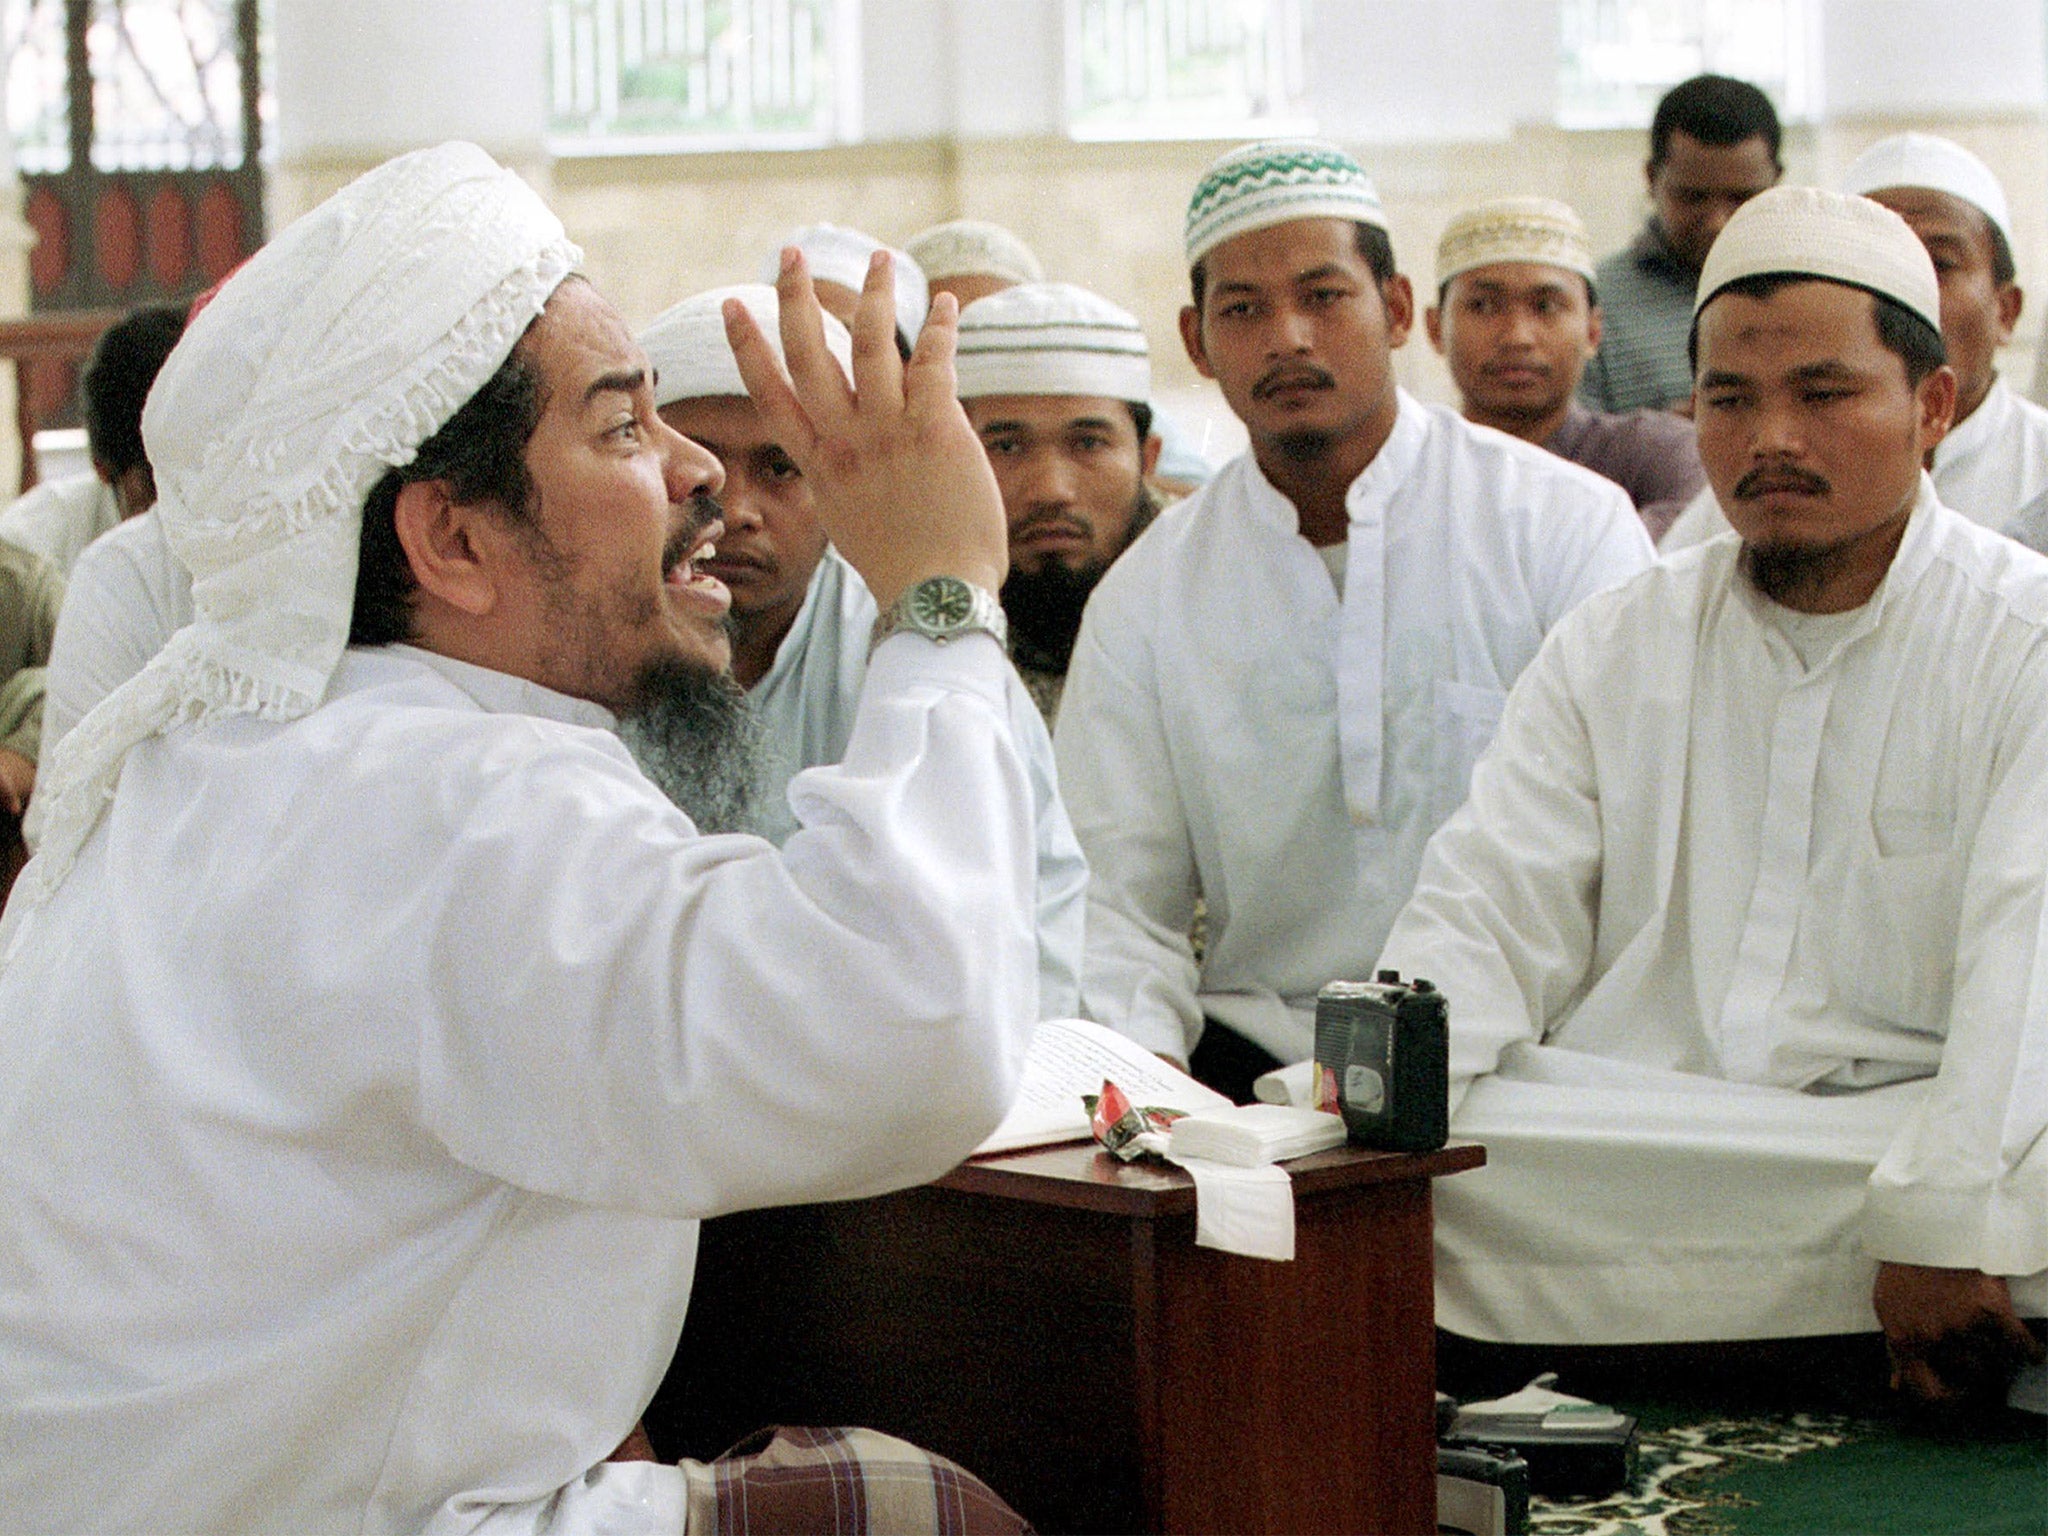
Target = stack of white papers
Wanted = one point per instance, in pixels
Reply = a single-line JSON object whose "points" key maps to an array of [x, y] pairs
{"points": [[1247, 1135]]}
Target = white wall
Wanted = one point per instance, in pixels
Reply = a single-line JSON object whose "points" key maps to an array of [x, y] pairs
{"points": [[1903, 57], [379, 76]]}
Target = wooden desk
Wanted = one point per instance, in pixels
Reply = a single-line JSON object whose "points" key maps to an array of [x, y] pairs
{"points": [[1046, 1320]]}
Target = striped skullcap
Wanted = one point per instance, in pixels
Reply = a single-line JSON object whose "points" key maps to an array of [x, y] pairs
{"points": [[1051, 339], [1274, 182]]}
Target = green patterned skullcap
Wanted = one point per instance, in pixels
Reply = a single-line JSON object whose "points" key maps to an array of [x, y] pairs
{"points": [[1274, 182]]}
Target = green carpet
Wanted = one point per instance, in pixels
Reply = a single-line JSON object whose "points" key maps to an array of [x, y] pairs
{"points": [[1816, 1474]]}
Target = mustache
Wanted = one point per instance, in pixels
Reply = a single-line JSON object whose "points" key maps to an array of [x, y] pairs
{"points": [[704, 511], [1063, 522], [1762, 481], [1289, 375]]}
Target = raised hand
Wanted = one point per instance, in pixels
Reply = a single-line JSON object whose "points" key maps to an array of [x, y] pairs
{"points": [[903, 488]]}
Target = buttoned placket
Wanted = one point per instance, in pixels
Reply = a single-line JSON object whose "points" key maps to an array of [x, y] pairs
{"points": [[1362, 638], [1763, 958]]}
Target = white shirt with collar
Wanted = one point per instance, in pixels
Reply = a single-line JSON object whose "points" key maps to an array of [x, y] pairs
{"points": [[127, 595], [363, 1085], [1995, 461], [1745, 951], [807, 701], [1234, 730], [57, 519]]}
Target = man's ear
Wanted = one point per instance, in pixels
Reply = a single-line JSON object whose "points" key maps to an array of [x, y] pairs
{"points": [[1433, 324], [1937, 406], [448, 549], [1191, 338], [1398, 295], [1148, 453], [1592, 332], [2010, 302]]}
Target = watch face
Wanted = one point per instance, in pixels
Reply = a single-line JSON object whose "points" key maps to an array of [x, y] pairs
{"points": [[942, 603]]}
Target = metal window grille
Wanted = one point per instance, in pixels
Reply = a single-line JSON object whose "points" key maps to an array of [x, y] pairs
{"points": [[164, 79], [38, 89], [664, 75], [1186, 68], [1620, 56]]}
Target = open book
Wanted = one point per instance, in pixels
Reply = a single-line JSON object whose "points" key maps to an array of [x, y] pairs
{"points": [[1070, 1057]]}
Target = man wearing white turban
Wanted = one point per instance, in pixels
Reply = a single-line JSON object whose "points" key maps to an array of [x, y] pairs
{"points": [[1743, 925], [372, 1033], [802, 619]]}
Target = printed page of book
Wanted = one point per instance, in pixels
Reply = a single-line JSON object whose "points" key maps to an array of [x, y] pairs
{"points": [[1070, 1057]]}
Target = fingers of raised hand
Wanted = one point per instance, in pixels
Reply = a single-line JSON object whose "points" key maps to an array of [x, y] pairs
{"points": [[929, 383], [813, 370], [766, 382], [877, 365]]}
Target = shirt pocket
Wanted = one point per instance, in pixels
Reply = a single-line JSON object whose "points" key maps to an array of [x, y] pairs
{"points": [[1465, 719], [1895, 938]]}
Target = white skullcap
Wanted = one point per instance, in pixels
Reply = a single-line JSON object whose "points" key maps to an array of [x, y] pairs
{"points": [[840, 255], [1274, 182], [691, 358], [974, 248], [1536, 229], [1051, 339], [1806, 232], [325, 360], [1941, 165]]}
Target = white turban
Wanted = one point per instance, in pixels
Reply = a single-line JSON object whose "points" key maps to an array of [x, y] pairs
{"points": [[1941, 165], [1051, 339], [1805, 232], [840, 255], [692, 359], [974, 248], [330, 357]]}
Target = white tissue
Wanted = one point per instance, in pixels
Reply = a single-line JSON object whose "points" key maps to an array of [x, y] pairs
{"points": [[1242, 1210]]}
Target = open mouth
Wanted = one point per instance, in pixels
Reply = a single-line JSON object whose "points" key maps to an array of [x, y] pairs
{"points": [[687, 550]]}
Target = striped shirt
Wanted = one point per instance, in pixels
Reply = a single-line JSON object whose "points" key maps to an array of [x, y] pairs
{"points": [[1646, 297]]}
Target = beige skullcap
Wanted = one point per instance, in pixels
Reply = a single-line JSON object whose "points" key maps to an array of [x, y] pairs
{"points": [[1051, 339], [1941, 165], [1840, 238], [1537, 229], [973, 248], [691, 358]]}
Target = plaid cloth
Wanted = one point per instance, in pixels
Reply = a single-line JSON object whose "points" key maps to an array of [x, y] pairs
{"points": [[839, 1482]]}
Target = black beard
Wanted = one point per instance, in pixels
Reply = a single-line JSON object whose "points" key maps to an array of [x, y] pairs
{"points": [[1044, 609], [695, 736], [1304, 447], [1784, 571]]}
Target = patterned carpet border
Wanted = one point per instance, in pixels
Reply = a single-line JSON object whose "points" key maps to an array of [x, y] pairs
{"points": [[1674, 1491]]}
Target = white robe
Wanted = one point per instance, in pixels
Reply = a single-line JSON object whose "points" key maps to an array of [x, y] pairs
{"points": [[1231, 730], [57, 519], [1991, 468], [362, 1087], [806, 703], [1758, 953]]}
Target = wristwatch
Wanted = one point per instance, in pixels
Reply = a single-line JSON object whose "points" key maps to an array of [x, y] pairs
{"points": [[940, 607]]}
